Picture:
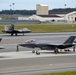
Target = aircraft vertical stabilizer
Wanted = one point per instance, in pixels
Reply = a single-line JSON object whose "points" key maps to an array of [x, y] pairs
{"points": [[70, 40], [11, 27], [5, 28]]}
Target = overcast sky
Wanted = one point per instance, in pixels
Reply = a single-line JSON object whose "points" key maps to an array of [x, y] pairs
{"points": [[31, 4]]}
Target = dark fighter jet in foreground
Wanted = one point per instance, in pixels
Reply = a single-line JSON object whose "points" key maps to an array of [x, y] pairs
{"points": [[12, 31], [47, 45]]}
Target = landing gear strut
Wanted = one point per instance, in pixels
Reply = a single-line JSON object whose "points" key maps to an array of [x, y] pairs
{"points": [[74, 48], [11, 34], [23, 34], [17, 48], [16, 34], [56, 51]]}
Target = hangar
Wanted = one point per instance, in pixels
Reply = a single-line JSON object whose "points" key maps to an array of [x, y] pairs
{"points": [[71, 17], [46, 18], [68, 17], [43, 15]]}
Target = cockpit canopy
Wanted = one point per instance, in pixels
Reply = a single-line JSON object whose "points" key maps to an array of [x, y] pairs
{"points": [[30, 40]]}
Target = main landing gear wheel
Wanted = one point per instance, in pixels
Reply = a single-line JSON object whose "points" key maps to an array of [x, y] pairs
{"points": [[37, 53], [33, 51], [36, 50]]}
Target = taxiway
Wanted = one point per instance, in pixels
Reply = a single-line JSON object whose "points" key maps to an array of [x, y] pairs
{"points": [[26, 63]]}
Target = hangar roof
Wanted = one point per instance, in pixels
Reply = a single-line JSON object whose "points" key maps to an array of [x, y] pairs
{"points": [[52, 12], [48, 16]]}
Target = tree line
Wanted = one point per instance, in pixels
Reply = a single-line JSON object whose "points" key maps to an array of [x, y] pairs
{"points": [[21, 12], [31, 12]]}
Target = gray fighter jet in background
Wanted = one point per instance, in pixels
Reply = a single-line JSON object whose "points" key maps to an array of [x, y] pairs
{"points": [[1, 47], [47, 45], [12, 31]]}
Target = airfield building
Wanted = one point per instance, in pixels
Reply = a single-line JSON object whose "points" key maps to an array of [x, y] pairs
{"points": [[41, 9], [43, 15], [68, 17]]}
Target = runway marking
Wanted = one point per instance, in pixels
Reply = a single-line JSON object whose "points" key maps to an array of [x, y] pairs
{"points": [[28, 54], [62, 64], [50, 64], [37, 66], [34, 66]]}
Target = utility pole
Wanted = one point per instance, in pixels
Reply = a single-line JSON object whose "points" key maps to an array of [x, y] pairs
{"points": [[10, 12], [13, 9], [65, 12]]}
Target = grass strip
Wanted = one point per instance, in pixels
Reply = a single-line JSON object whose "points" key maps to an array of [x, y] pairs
{"points": [[60, 73], [45, 28]]}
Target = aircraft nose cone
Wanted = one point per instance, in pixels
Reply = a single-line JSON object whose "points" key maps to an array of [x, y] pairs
{"points": [[24, 45], [20, 44]]}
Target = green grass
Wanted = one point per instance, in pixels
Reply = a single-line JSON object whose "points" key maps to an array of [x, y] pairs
{"points": [[44, 27], [60, 73]]}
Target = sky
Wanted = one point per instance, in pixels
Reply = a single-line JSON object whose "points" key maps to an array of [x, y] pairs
{"points": [[31, 4]]}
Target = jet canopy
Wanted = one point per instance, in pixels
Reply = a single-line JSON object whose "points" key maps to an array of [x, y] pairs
{"points": [[24, 29], [30, 40]]}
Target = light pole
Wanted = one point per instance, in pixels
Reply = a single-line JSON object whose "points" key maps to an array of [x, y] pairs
{"points": [[13, 9], [65, 12], [10, 12]]}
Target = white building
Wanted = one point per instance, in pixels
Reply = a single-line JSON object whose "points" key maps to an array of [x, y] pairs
{"points": [[46, 18], [23, 18], [70, 17]]}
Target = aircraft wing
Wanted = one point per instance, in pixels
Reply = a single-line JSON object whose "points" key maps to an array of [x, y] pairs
{"points": [[54, 46], [47, 44], [44, 44], [39, 44]]}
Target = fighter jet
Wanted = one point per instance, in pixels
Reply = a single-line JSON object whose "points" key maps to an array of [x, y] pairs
{"points": [[1, 47], [44, 45], [12, 31]]}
